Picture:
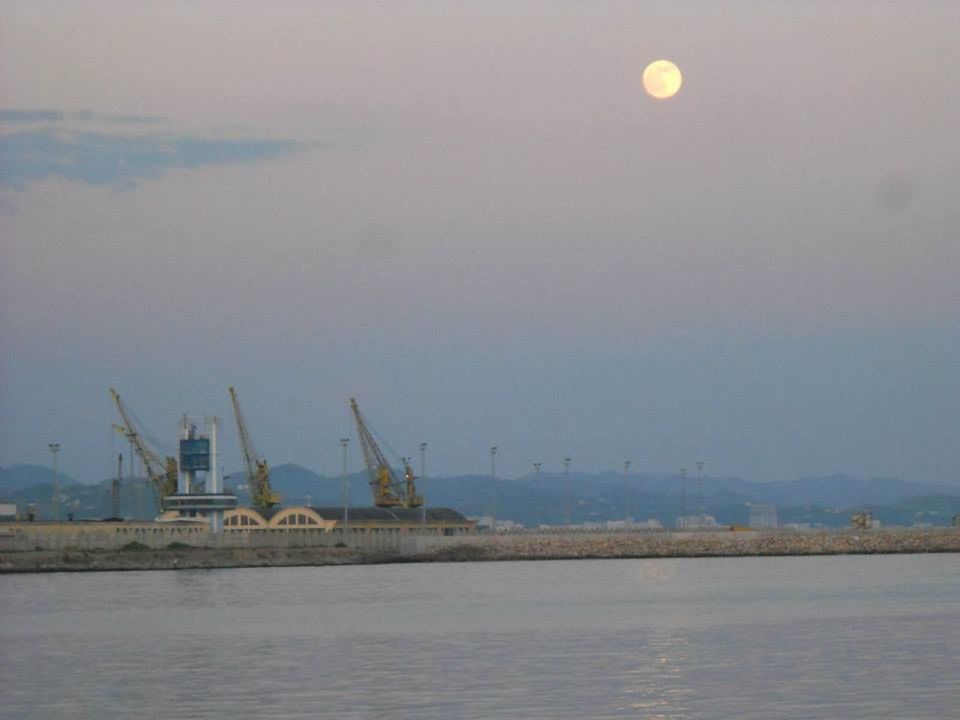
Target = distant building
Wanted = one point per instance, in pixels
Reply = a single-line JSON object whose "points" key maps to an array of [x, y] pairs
{"points": [[482, 521], [763, 517], [631, 524], [8, 512], [443, 521], [697, 522]]}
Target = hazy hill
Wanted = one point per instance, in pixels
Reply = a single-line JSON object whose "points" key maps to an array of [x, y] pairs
{"points": [[550, 499], [19, 477], [295, 483], [86, 502], [844, 491]]}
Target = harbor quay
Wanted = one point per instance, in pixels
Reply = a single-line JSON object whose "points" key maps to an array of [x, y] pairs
{"points": [[50, 547]]}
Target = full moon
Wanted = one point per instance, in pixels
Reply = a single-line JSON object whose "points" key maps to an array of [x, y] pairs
{"points": [[662, 79]]}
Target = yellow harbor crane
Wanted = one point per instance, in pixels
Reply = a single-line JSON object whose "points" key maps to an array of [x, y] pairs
{"points": [[386, 488], [862, 520], [258, 472], [161, 472]]}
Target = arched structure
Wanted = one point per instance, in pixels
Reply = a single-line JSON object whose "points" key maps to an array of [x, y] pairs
{"points": [[440, 521], [300, 518], [244, 518]]}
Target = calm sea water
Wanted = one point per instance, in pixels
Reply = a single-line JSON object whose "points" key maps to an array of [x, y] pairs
{"points": [[838, 637]]}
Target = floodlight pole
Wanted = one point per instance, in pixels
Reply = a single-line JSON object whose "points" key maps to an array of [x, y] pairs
{"points": [[345, 486], [683, 498], [493, 485], [55, 452]]}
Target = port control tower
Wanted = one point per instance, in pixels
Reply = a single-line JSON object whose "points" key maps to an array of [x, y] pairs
{"points": [[199, 487]]}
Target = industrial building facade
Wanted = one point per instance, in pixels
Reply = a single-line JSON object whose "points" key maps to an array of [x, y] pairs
{"points": [[439, 521]]}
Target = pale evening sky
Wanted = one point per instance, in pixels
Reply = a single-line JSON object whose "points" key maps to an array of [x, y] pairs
{"points": [[472, 218]]}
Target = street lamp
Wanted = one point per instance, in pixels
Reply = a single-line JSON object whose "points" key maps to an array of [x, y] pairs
{"points": [[423, 478], [700, 510], [54, 451], [568, 491], [538, 491], [493, 483], [344, 443], [683, 498], [626, 490]]}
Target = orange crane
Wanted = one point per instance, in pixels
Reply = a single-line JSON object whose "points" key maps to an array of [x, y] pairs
{"points": [[386, 488], [161, 472], [258, 472]]}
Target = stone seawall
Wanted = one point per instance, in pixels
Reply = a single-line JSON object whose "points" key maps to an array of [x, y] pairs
{"points": [[513, 546], [186, 558], [689, 544], [21, 536]]}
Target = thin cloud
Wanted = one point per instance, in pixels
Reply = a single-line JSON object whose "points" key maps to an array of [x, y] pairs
{"points": [[29, 116], [99, 158], [90, 116], [40, 115]]}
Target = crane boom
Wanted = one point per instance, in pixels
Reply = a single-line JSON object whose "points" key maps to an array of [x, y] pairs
{"points": [[161, 472], [386, 488], [258, 471]]}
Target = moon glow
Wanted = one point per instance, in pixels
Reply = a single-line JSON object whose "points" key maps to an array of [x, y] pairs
{"points": [[662, 79]]}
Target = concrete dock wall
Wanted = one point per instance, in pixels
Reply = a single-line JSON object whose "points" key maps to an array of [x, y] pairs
{"points": [[39, 547], [24, 537]]}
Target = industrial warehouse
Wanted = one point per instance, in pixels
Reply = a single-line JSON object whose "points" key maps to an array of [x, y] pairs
{"points": [[443, 521]]}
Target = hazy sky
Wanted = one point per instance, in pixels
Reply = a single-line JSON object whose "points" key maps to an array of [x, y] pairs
{"points": [[472, 218]]}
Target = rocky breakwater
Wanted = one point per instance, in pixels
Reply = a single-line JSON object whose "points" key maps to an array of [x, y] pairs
{"points": [[568, 545]]}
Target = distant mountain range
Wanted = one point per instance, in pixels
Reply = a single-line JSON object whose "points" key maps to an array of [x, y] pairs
{"points": [[19, 477], [551, 499]]}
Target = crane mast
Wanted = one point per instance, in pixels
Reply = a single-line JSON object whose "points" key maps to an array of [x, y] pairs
{"points": [[386, 488], [258, 472], [161, 472], [115, 490]]}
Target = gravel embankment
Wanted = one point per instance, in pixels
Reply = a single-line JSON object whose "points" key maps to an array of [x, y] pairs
{"points": [[714, 544]]}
